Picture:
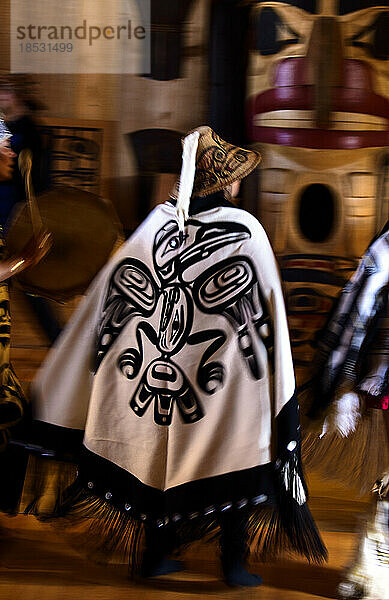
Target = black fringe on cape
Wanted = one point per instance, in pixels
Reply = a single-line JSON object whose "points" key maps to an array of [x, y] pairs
{"points": [[110, 533]]}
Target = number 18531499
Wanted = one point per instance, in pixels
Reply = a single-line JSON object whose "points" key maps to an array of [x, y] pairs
{"points": [[46, 47]]}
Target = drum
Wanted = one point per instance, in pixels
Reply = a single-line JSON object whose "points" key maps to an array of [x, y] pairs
{"points": [[84, 230]]}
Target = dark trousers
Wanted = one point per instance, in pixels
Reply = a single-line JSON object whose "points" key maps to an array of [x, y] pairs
{"points": [[160, 542]]}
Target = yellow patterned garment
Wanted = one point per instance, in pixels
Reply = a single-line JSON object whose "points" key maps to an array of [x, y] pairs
{"points": [[12, 400]]}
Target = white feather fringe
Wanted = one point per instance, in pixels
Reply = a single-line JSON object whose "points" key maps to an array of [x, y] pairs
{"points": [[344, 416], [187, 176]]}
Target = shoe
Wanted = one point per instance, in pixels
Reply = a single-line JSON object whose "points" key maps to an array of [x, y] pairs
{"points": [[238, 576], [162, 566]]}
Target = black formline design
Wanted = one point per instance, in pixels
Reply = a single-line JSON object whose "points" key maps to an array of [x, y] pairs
{"points": [[229, 288]]}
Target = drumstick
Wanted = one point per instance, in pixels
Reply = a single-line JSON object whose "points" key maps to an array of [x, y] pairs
{"points": [[25, 166]]}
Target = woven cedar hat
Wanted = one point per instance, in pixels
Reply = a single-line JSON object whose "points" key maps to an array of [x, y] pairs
{"points": [[218, 163], [209, 164]]}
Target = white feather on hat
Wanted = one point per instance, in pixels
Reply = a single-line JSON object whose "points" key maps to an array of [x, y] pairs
{"points": [[188, 170]]}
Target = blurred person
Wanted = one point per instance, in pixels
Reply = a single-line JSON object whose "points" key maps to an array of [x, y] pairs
{"points": [[13, 406], [14, 409], [12, 401], [176, 371], [18, 104], [350, 404]]}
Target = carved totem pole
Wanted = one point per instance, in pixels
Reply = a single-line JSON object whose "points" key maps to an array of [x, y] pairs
{"points": [[318, 110]]}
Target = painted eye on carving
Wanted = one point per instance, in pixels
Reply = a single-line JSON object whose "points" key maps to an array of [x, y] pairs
{"points": [[374, 38], [271, 33]]}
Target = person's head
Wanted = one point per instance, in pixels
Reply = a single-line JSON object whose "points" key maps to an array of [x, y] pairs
{"points": [[211, 165], [7, 159], [219, 164]]}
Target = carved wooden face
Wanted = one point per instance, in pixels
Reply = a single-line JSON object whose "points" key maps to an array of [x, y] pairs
{"points": [[318, 110], [318, 74]]}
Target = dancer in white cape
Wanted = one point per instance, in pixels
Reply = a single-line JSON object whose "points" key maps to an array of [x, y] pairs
{"points": [[177, 370]]}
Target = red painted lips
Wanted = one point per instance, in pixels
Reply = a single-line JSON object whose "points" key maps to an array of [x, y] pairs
{"points": [[353, 103]]}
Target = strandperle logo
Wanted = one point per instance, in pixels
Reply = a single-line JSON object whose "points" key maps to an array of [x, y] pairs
{"points": [[82, 32], [93, 36]]}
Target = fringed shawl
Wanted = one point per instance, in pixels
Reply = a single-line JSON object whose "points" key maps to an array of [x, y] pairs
{"points": [[177, 366]]}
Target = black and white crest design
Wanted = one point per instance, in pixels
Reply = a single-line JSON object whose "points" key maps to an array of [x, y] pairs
{"points": [[229, 287]]}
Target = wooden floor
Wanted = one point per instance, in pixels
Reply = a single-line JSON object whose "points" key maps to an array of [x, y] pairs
{"points": [[37, 563]]}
